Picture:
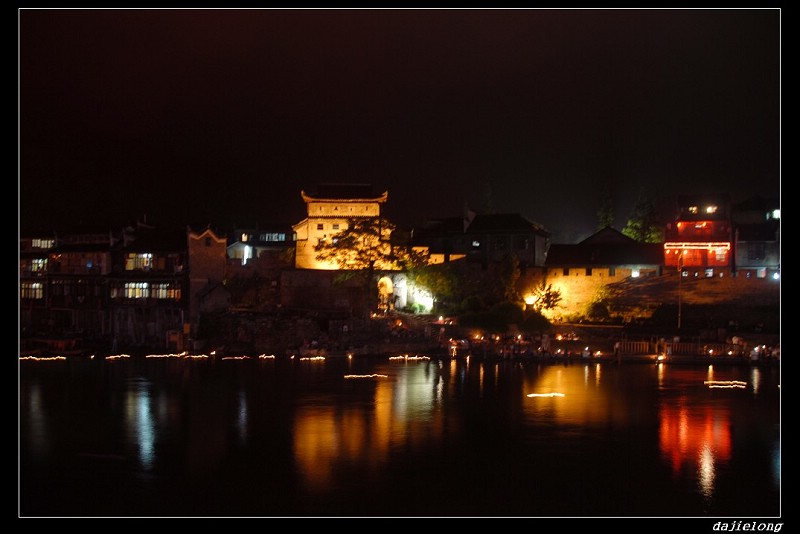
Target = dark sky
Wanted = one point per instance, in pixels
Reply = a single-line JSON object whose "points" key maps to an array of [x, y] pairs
{"points": [[223, 116]]}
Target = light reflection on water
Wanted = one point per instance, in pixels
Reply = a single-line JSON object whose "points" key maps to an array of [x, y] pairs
{"points": [[241, 421], [286, 431], [38, 423], [695, 435], [400, 410], [140, 422]]}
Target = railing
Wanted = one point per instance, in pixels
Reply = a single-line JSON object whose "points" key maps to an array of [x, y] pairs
{"points": [[698, 348], [636, 347]]}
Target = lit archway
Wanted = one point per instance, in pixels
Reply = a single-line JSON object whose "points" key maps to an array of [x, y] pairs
{"points": [[385, 293]]}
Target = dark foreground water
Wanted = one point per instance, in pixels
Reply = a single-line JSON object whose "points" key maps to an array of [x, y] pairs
{"points": [[380, 437]]}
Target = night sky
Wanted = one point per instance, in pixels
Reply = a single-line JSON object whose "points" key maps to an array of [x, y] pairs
{"points": [[222, 116]]}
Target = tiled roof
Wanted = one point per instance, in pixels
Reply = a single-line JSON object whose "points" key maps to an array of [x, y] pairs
{"points": [[608, 235], [605, 254]]}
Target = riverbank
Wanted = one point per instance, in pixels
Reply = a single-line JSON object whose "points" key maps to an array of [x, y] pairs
{"points": [[413, 353]]}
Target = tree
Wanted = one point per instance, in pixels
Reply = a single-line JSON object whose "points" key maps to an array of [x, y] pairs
{"points": [[508, 275], [440, 279], [534, 322], [599, 308], [605, 214], [365, 246], [644, 224], [545, 297]]}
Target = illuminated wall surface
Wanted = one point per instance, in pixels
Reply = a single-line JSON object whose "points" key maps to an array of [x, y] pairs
{"points": [[577, 289], [645, 290], [326, 217]]}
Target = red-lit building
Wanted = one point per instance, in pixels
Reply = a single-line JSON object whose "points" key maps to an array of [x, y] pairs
{"points": [[701, 236]]}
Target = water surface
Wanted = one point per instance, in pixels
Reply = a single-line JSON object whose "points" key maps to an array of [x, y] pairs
{"points": [[404, 437]]}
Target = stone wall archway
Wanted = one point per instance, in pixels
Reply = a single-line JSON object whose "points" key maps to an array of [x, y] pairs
{"points": [[385, 293]]}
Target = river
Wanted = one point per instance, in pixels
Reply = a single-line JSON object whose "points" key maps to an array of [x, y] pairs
{"points": [[403, 437]]}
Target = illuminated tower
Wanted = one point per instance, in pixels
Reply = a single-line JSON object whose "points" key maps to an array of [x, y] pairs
{"points": [[328, 212]]}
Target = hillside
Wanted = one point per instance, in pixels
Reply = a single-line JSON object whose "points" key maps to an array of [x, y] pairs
{"points": [[749, 303]]}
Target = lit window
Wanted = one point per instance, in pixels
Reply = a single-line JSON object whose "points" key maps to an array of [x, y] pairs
{"points": [[31, 290], [165, 292], [711, 209], [135, 262], [635, 273], [42, 243], [776, 214], [38, 265], [137, 290], [273, 237], [476, 244], [692, 209], [244, 238]]}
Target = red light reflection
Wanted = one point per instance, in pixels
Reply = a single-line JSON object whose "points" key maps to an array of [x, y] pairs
{"points": [[686, 433]]}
